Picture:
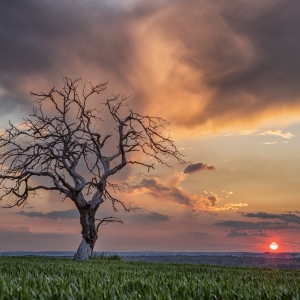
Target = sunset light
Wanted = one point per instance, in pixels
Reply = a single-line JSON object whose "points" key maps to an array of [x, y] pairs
{"points": [[274, 246], [224, 75], [158, 141]]}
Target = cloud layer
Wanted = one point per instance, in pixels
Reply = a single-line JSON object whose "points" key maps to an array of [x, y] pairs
{"points": [[288, 218], [54, 215], [152, 217], [245, 225], [172, 192], [235, 233], [221, 63]]}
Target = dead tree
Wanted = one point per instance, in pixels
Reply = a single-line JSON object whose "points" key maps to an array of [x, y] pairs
{"points": [[60, 147]]}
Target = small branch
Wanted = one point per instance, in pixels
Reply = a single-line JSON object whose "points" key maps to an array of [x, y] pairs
{"points": [[107, 220]]}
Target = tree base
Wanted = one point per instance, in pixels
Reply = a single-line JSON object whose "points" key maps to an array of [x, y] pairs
{"points": [[84, 251]]}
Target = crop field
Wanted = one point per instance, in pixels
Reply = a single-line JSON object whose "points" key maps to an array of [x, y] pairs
{"points": [[64, 278]]}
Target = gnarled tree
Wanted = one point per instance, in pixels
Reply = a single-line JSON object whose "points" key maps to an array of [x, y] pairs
{"points": [[61, 147]]}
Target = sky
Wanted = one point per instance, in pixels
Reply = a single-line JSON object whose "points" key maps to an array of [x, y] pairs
{"points": [[225, 74]]}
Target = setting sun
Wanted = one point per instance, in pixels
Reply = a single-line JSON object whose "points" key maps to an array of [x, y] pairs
{"points": [[274, 246]]}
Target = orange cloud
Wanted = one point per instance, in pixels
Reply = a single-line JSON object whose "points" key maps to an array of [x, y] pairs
{"points": [[203, 67], [172, 192]]}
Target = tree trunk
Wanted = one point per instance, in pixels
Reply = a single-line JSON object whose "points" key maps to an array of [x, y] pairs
{"points": [[89, 235], [84, 250]]}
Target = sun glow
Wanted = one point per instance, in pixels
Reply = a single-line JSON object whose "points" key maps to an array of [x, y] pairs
{"points": [[274, 246]]}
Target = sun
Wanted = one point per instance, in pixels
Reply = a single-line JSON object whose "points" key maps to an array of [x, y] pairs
{"points": [[274, 246]]}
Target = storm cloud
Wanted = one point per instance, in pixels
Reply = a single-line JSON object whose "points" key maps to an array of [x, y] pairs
{"points": [[159, 190], [236, 62]]}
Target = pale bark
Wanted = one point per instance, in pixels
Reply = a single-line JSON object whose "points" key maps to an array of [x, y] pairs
{"points": [[84, 251], [89, 232]]}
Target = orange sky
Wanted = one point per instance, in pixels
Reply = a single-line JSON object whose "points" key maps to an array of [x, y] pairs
{"points": [[224, 73]]}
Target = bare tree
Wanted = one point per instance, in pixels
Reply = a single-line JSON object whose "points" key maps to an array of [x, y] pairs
{"points": [[61, 147]]}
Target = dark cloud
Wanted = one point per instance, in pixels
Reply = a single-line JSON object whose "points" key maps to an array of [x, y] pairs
{"points": [[247, 52], [152, 217], [235, 233], [152, 184], [242, 225], [180, 196], [289, 217], [213, 200], [55, 215], [159, 190], [39, 39], [197, 168], [240, 57]]}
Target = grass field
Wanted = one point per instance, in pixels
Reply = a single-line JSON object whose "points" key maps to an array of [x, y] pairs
{"points": [[58, 278]]}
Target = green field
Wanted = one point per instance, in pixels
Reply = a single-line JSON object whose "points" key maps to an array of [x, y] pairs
{"points": [[56, 278]]}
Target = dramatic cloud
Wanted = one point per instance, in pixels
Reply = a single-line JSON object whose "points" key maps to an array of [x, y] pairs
{"points": [[152, 217], [152, 184], [171, 191], [289, 218], [65, 214], [236, 62], [197, 168]]}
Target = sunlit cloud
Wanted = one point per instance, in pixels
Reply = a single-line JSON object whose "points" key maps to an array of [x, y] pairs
{"points": [[230, 206], [269, 143], [211, 54], [228, 194], [284, 135], [171, 191], [277, 132]]}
